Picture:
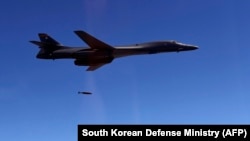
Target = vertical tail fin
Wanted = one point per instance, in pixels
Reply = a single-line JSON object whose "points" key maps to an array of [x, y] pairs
{"points": [[45, 38], [47, 46]]}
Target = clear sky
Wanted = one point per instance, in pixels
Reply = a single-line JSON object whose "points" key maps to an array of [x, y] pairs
{"points": [[211, 85]]}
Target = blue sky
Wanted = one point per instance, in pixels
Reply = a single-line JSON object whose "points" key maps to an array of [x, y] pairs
{"points": [[39, 100]]}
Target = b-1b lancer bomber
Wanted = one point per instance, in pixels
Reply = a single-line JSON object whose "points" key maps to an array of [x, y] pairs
{"points": [[100, 53]]}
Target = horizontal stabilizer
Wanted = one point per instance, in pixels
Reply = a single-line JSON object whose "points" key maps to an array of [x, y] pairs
{"points": [[37, 43], [43, 44], [92, 41]]}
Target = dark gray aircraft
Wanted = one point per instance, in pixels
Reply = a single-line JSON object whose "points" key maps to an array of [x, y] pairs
{"points": [[101, 53]]}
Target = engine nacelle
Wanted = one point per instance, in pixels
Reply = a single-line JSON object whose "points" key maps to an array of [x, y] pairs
{"points": [[93, 61]]}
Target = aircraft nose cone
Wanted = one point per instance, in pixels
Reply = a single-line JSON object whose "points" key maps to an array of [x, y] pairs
{"points": [[192, 47], [195, 47]]}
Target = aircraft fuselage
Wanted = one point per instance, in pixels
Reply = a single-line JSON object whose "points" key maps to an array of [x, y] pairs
{"points": [[119, 51], [99, 53]]}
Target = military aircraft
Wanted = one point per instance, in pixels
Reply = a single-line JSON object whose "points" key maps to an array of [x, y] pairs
{"points": [[100, 53]]}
